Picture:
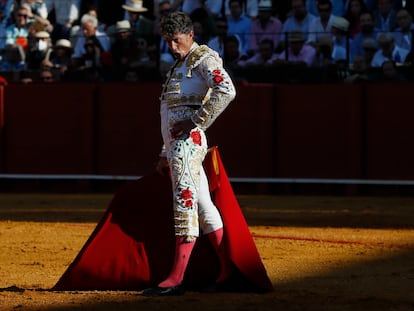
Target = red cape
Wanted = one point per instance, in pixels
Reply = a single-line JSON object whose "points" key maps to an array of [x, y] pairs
{"points": [[132, 246]]}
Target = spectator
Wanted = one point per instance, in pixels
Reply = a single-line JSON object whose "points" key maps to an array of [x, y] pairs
{"points": [[212, 7], [18, 31], [297, 51], [46, 76], [141, 26], [385, 16], [338, 7], [217, 41], [249, 8], [203, 25], [40, 51], [14, 58], [299, 20], [353, 15], [239, 24], [233, 57], [93, 63], [61, 58], [165, 57], [403, 35], [389, 73], [123, 47], [321, 25], [388, 50], [329, 53], [39, 13], [369, 48], [89, 26], [368, 30], [265, 56], [141, 58], [339, 32], [358, 70], [66, 14], [265, 26], [173, 5]]}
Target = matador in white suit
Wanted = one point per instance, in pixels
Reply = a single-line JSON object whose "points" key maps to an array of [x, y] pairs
{"points": [[196, 92]]}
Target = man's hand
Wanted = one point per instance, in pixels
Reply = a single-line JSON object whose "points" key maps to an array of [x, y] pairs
{"points": [[182, 127], [162, 166]]}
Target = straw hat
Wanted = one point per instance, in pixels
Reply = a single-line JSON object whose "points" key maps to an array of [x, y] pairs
{"points": [[340, 23], [122, 26], [134, 6], [42, 35], [63, 43]]}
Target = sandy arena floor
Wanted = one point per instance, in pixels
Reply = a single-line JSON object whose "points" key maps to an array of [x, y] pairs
{"points": [[321, 253]]}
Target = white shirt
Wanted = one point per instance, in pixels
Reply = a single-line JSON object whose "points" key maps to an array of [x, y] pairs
{"points": [[64, 9], [102, 38], [214, 6]]}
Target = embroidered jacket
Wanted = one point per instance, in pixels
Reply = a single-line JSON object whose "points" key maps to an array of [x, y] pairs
{"points": [[201, 82]]}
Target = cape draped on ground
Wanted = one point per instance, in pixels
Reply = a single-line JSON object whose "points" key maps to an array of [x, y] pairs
{"points": [[132, 247]]}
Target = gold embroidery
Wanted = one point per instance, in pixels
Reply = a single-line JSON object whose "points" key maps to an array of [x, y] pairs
{"points": [[196, 55]]}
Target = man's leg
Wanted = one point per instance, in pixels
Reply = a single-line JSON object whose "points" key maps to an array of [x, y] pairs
{"points": [[211, 224], [185, 161]]}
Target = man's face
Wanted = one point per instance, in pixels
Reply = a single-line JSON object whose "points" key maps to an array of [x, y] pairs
{"points": [[266, 50], [21, 17], [235, 10], [299, 9], [88, 29], [324, 11], [366, 22], [404, 20], [180, 44]]}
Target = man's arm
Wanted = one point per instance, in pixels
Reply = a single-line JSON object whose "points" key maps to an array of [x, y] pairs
{"points": [[222, 92]]}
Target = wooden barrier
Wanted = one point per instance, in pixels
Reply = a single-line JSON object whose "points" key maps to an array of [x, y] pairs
{"points": [[389, 131], [128, 128], [49, 130], [270, 130], [318, 131]]}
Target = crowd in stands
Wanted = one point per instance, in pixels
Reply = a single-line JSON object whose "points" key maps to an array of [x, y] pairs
{"points": [[259, 40]]}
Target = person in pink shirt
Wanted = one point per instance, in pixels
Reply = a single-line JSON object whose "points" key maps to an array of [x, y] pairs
{"points": [[265, 56], [265, 26], [297, 52]]}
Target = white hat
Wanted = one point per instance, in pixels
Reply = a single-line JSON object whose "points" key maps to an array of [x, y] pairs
{"points": [[63, 43], [265, 5], [122, 26], [340, 23], [134, 6], [42, 35]]}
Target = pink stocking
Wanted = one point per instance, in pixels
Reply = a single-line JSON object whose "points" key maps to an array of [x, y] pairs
{"points": [[216, 238], [183, 251]]}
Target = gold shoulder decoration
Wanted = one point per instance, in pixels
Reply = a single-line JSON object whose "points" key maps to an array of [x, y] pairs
{"points": [[197, 55]]}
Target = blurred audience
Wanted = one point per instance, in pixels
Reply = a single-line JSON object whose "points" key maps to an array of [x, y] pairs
{"points": [[67, 37]]}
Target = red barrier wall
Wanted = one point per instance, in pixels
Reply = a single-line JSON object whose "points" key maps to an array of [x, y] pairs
{"points": [[49, 129], [318, 131], [298, 131], [1, 127], [244, 132], [389, 131], [128, 126]]}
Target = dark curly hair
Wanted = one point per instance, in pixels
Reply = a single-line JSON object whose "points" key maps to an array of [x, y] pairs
{"points": [[176, 22]]}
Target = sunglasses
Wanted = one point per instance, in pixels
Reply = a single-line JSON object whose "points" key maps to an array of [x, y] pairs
{"points": [[22, 15], [46, 78]]}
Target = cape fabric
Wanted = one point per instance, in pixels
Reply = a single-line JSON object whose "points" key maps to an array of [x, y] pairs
{"points": [[132, 247]]}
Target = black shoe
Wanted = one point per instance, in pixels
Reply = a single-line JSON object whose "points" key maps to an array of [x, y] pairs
{"points": [[164, 291]]}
